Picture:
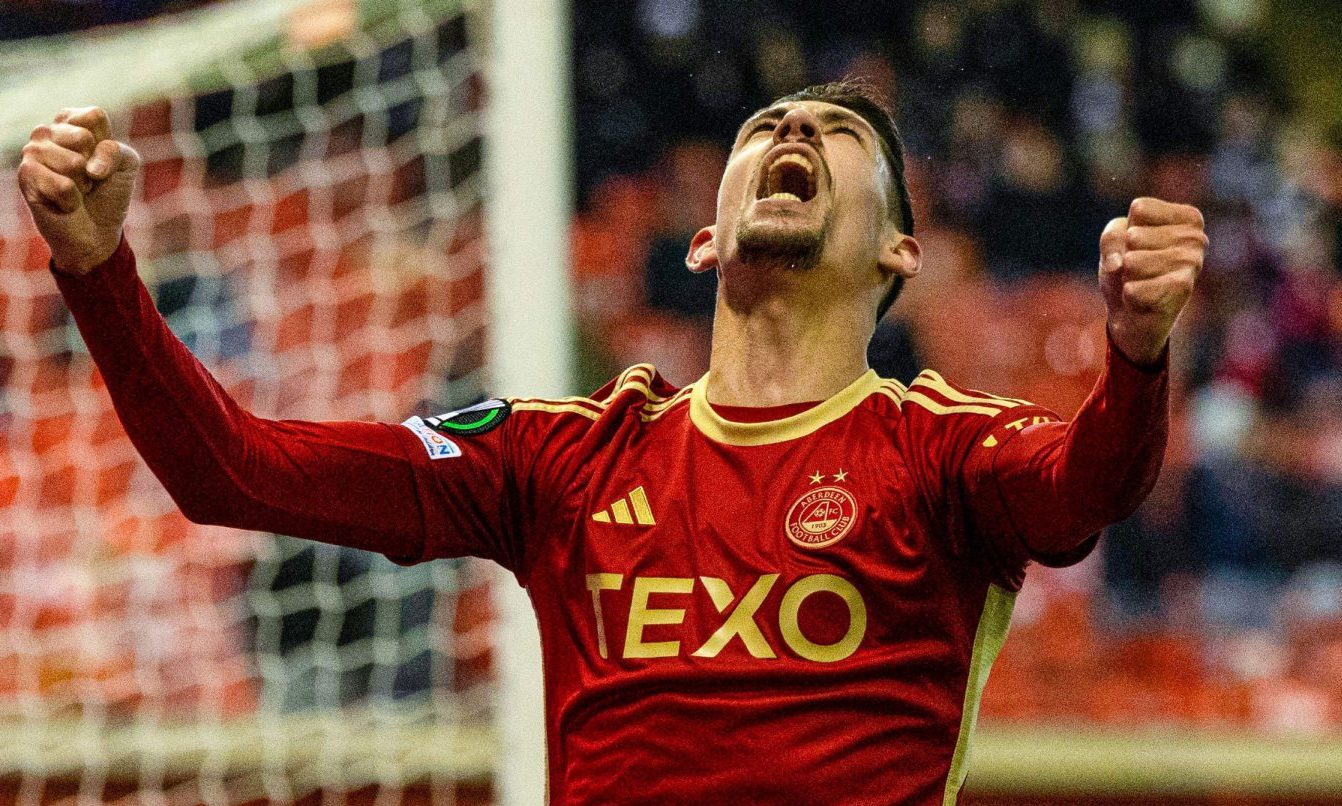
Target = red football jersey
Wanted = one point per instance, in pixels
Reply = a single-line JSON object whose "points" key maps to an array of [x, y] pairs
{"points": [[802, 609], [794, 611]]}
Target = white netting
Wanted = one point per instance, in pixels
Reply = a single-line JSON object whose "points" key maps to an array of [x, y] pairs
{"points": [[309, 223]]}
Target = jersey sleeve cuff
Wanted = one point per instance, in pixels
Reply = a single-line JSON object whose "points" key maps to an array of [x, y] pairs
{"points": [[112, 277], [1117, 359]]}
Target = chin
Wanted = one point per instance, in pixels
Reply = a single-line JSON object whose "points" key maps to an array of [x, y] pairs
{"points": [[794, 243]]}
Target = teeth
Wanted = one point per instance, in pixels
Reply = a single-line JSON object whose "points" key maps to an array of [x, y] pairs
{"points": [[782, 194], [796, 159]]}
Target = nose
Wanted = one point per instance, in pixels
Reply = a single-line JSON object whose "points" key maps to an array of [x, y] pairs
{"points": [[798, 126]]}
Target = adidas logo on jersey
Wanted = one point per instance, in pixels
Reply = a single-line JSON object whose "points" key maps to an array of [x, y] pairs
{"points": [[632, 509]]}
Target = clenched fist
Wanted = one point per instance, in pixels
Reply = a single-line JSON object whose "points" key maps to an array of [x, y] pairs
{"points": [[77, 181], [1149, 262]]}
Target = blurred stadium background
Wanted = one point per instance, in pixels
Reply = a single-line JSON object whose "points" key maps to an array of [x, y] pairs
{"points": [[316, 221]]}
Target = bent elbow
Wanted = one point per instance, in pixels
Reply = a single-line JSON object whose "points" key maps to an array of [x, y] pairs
{"points": [[199, 510], [205, 502]]}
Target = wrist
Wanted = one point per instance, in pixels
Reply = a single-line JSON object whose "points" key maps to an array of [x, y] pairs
{"points": [[77, 264], [1145, 355]]}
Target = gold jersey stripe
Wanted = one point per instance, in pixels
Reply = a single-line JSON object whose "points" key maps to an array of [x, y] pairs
{"points": [[914, 396], [661, 403], [932, 380], [637, 377], [557, 408], [891, 393], [989, 638], [956, 396], [633, 378], [594, 409], [620, 381], [559, 400], [649, 417]]}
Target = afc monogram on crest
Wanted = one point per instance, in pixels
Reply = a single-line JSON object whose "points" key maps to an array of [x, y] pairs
{"points": [[821, 516]]}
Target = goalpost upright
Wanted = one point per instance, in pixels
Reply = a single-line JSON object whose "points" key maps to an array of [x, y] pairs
{"points": [[309, 220], [528, 166]]}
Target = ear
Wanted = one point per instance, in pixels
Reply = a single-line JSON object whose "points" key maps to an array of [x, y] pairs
{"points": [[703, 255], [900, 255]]}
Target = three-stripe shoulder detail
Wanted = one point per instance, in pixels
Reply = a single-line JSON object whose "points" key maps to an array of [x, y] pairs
{"points": [[933, 393], [637, 380]]}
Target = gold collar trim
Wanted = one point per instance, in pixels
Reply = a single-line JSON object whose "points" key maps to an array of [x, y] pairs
{"points": [[718, 429]]}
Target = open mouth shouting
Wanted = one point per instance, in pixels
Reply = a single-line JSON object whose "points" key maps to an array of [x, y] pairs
{"points": [[790, 174]]}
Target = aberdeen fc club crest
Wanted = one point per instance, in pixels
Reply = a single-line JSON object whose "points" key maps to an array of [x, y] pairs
{"points": [[823, 515]]}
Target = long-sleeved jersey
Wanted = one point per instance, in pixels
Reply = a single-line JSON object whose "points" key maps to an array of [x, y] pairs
{"points": [[788, 605]]}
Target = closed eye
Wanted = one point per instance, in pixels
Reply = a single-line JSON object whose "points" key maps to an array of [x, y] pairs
{"points": [[848, 131], [764, 125]]}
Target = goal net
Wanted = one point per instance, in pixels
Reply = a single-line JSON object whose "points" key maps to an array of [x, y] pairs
{"points": [[309, 222]]}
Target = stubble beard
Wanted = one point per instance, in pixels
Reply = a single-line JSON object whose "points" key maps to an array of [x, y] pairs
{"points": [[797, 248]]}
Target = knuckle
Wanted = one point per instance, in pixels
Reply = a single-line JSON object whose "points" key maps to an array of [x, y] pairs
{"points": [[1138, 259], [1133, 298], [40, 132], [1147, 295], [71, 134]]}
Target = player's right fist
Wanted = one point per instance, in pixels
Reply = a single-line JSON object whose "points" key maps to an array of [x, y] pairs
{"points": [[77, 181]]}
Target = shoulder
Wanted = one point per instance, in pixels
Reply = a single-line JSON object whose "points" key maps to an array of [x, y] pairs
{"points": [[934, 394], [638, 391], [932, 402]]}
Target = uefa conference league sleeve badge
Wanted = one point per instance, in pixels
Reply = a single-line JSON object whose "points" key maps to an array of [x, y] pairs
{"points": [[433, 432], [472, 420]]}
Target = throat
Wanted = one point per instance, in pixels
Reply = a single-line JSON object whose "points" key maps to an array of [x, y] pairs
{"points": [[795, 342]]}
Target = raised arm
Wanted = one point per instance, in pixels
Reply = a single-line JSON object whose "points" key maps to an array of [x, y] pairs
{"points": [[366, 485], [1052, 485], [1044, 488]]}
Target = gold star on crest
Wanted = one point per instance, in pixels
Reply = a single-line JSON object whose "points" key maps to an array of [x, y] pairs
{"points": [[817, 478], [841, 475]]}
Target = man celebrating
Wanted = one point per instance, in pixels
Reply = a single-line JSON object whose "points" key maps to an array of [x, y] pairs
{"points": [[783, 583]]}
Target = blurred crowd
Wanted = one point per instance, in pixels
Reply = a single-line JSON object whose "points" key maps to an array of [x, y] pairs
{"points": [[1029, 125], [20, 19]]}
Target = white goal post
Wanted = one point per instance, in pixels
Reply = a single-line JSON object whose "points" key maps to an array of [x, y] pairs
{"points": [[528, 165]]}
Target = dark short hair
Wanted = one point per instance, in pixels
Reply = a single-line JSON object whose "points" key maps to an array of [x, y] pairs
{"points": [[858, 96]]}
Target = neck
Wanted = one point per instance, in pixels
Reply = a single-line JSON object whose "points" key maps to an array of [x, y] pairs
{"points": [[785, 349]]}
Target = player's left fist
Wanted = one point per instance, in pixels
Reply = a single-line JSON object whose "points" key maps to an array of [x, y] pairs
{"points": [[1149, 262]]}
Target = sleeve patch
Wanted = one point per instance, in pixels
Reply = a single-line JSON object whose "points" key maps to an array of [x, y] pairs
{"points": [[478, 419], [438, 446]]}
